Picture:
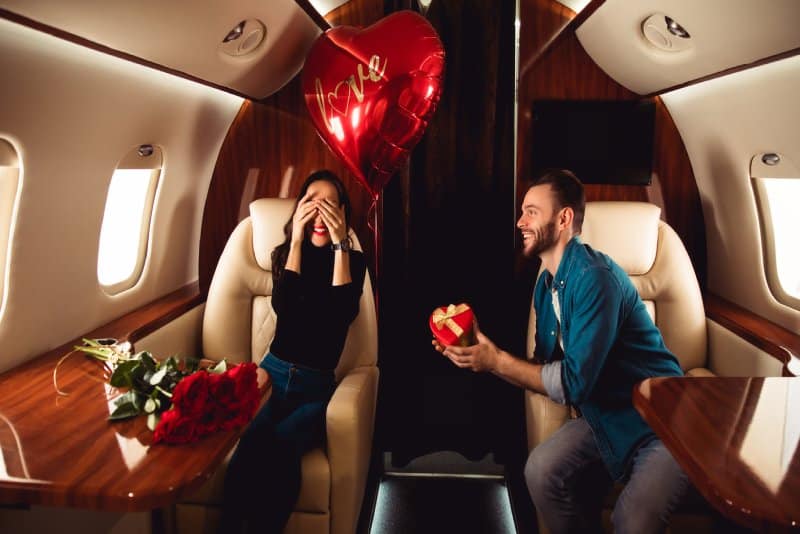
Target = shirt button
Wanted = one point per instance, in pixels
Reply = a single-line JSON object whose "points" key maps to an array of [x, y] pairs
{"points": [[553, 332]]}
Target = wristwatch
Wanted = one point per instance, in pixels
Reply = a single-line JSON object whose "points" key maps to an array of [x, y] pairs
{"points": [[346, 245]]}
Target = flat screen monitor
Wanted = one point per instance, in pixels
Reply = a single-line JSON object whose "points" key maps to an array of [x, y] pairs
{"points": [[602, 142]]}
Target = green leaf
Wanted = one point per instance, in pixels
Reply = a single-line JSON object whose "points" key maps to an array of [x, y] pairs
{"points": [[147, 359], [158, 376], [152, 421], [164, 392], [127, 405], [191, 365], [150, 406], [124, 374], [100, 353], [220, 368]]}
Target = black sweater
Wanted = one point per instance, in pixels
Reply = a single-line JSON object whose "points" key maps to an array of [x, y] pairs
{"points": [[313, 315]]}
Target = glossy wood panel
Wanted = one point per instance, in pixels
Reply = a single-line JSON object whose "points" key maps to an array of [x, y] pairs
{"points": [[743, 453], [557, 67], [270, 148], [766, 335]]}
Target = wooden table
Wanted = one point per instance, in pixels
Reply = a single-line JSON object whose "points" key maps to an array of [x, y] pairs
{"points": [[736, 438], [63, 451]]}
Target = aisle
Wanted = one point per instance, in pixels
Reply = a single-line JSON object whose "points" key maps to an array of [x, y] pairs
{"points": [[412, 504]]}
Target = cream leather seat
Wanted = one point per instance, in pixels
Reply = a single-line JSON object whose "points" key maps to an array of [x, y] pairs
{"points": [[239, 324], [654, 257]]}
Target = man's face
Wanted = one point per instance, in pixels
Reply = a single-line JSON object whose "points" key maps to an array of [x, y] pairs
{"points": [[538, 221]]}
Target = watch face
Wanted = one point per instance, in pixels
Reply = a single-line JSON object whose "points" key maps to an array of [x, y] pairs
{"points": [[346, 244]]}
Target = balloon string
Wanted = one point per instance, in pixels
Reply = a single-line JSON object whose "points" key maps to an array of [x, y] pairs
{"points": [[372, 223]]}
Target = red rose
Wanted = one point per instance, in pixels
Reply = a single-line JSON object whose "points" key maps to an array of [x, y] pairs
{"points": [[223, 389], [176, 428], [190, 395], [237, 397], [247, 392]]}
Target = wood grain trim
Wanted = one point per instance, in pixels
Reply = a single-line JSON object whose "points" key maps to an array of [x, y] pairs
{"points": [[732, 70], [566, 30], [772, 338], [313, 14], [81, 41]]}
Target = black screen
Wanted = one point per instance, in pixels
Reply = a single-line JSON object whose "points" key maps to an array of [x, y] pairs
{"points": [[602, 142]]}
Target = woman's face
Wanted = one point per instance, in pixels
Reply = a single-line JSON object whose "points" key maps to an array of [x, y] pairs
{"points": [[321, 189]]}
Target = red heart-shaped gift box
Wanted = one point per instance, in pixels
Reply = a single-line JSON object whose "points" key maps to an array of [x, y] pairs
{"points": [[452, 325]]}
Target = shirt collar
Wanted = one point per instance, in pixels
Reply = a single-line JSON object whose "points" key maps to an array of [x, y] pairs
{"points": [[565, 265]]}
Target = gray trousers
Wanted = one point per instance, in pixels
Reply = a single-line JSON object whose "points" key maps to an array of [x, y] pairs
{"points": [[568, 483]]}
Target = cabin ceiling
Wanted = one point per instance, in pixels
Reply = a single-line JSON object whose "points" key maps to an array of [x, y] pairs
{"points": [[723, 34], [187, 36]]}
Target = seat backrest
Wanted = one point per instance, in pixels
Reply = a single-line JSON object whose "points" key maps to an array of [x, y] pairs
{"points": [[239, 322], [656, 261]]}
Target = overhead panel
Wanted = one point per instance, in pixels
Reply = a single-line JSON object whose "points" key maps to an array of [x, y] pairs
{"points": [[252, 47], [650, 45]]}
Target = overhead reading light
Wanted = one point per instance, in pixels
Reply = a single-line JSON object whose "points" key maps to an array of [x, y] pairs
{"points": [[676, 29], [145, 150], [771, 159], [244, 38], [665, 34]]}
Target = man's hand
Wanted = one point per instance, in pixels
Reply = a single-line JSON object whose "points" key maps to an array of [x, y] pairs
{"points": [[480, 357]]}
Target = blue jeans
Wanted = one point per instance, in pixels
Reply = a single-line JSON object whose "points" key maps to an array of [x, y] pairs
{"points": [[568, 483], [262, 482]]}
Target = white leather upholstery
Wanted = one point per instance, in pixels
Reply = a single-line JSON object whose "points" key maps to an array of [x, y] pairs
{"points": [[654, 257], [239, 324]]}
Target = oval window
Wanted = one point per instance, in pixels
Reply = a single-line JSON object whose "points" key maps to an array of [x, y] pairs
{"points": [[126, 220]]}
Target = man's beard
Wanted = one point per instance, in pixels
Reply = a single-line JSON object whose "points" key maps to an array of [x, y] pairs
{"points": [[544, 238]]}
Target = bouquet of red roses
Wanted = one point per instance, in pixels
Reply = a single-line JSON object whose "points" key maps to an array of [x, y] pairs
{"points": [[206, 402], [182, 400]]}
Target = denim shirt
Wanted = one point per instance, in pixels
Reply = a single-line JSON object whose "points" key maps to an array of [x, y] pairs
{"points": [[610, 344]]}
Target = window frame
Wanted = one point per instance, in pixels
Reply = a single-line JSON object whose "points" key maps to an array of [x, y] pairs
{"points": [[759, 173], [134, 161], [10, 190]]}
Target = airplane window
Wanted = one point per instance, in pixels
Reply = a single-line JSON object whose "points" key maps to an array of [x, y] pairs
{"points": [[783, 197], [126, 221], [777, 185], [9, 187]]}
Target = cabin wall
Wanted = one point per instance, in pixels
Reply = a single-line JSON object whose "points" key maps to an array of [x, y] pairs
{"points": [[72, 113], [725, 122]]}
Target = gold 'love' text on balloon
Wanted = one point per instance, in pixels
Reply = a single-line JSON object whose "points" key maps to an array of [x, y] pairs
{"points": [[351, 86]]}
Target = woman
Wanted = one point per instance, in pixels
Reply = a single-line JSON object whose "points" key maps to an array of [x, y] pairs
{"points": [[317, 284]]}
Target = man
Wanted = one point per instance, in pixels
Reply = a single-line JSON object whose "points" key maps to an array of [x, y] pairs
{"points": [[597, 340]]}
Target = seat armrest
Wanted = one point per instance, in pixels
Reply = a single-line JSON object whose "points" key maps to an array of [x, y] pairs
{"points": [[542, 417], [350, 423]]}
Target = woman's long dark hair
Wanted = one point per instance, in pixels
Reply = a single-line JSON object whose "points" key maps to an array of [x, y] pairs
{"points": [[281, 252]]}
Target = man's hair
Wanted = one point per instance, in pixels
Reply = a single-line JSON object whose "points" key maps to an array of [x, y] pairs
{"points": [[568, 192]]}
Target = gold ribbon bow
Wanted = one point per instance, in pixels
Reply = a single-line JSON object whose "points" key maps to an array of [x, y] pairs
{"points": [[445, 318]]}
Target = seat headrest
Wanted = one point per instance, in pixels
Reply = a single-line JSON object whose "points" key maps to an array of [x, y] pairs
{"points": [[269, 216], [626, 231]]}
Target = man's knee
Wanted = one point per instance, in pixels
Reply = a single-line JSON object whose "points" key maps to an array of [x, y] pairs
{"points": [[540, 474]]}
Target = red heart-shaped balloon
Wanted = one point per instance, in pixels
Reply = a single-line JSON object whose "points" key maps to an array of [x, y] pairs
{"points": [[371, 92]]}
